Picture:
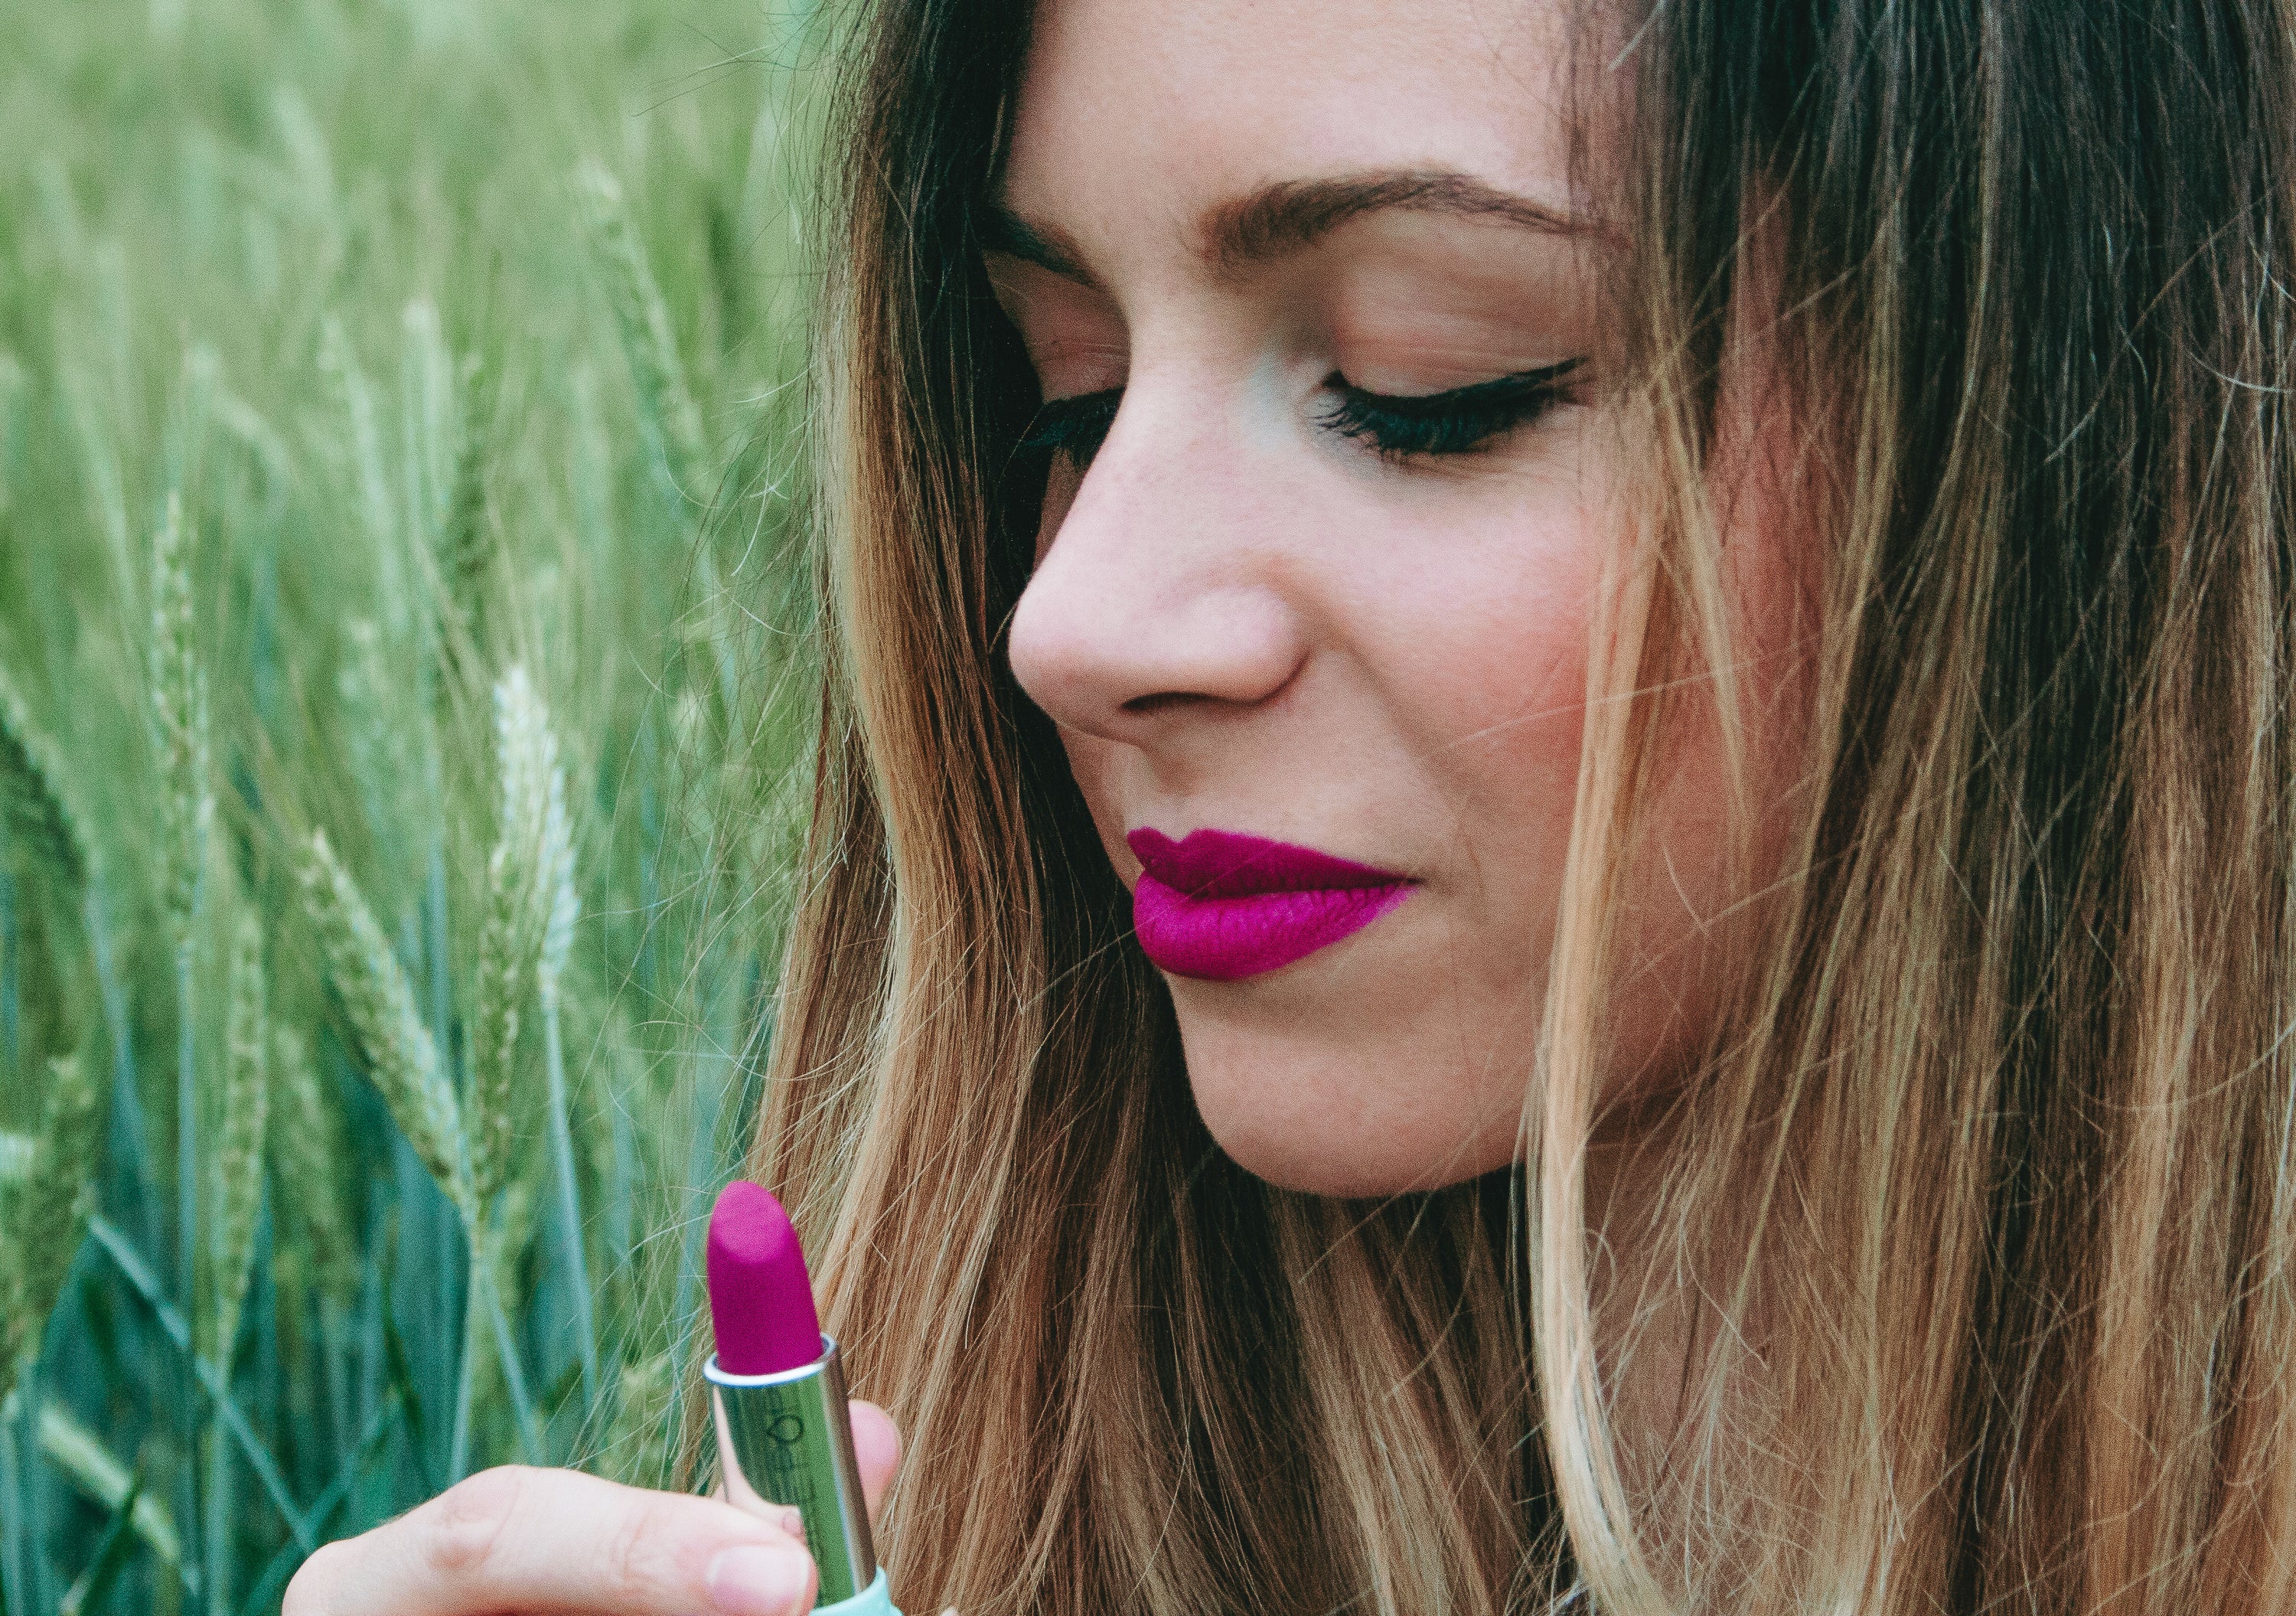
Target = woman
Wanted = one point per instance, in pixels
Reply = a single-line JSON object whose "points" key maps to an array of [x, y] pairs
{"points": [[1678, 617]]}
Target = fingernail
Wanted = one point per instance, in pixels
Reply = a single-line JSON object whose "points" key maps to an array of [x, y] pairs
{"points": [[753, 1581], [794, 1523]]}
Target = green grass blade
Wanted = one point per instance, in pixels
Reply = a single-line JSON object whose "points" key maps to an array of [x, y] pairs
{"points": [[98, 1472], [466, 1376], [569, 1200], [138, 1274], [529, 1435], [410, 1397], [15, 1591], [273, 1579], [111, 1556]]}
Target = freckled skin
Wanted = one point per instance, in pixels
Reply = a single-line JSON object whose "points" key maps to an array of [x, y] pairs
{"points": [[1241, 620]]}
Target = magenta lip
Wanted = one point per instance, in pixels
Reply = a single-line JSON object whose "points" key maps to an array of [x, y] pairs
{"points": [[1220, 906]]}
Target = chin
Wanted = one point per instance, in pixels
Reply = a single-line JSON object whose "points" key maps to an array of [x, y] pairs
{"points": [[1340, 1093], [1329, 1127], [1311, 1171]]}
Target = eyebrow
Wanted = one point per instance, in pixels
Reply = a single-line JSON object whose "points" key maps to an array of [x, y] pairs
{"points": [[1290, 216]]}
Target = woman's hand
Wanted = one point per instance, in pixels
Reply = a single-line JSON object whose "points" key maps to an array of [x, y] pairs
{"points": [[521, 1541]]}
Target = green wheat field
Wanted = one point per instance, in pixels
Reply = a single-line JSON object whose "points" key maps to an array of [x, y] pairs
{"points": [[404, 674]]}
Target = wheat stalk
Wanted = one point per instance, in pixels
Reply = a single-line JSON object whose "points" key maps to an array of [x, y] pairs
{"points": [[378, 1003], [235, 1195], [554, 883], [47, 1208], [348, 461], [235, 1177]]}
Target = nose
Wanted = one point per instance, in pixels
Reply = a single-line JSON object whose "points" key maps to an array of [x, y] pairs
{"points": [[1161, 593]]}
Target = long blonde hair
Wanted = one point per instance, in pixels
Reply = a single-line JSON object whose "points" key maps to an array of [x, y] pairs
{"points": [[1985, 1195]]}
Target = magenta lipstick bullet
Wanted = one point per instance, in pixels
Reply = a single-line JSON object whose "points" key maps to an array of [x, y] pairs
{"points": [[777, 1398]]}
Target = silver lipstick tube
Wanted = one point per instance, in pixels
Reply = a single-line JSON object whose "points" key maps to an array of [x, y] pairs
{"points": [[787, 1438]]}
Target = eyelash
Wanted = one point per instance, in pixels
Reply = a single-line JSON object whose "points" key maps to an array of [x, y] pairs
{"points": [[1075, 426], [1459, 422], [1396, 426]]}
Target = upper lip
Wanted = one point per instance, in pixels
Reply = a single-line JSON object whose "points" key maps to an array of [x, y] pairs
{"points": [[1230, 863]]}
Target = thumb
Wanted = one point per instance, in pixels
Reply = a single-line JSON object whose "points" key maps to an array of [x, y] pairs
{"points": [[877, 1451]]}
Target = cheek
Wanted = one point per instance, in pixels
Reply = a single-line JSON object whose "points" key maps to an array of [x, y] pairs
{"points": [[1061, 480], [1504, 696], [1483, 641], [1094, 764]]}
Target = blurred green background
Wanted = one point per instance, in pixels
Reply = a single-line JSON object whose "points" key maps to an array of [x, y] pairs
{"points": [[405, 673]]}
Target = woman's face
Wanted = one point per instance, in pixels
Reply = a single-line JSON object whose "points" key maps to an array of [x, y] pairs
{"points": [[1320, 592]]}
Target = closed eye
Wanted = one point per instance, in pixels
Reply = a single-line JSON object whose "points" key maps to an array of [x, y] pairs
{"points": [[1074, 427], [1458, 422]]}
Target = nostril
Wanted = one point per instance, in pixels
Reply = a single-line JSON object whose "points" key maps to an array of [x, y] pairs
{"points": [[1162, 700]]}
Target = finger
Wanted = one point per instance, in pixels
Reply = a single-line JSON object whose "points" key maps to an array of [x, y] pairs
{"points": [[876, 1452], [526, 1539]]}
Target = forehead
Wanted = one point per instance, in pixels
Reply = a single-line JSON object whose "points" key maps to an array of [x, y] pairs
{"points": [[1137, 116]]}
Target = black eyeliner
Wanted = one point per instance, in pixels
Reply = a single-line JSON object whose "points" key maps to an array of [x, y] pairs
{"points": [[1455, 421], [1399, 425]]}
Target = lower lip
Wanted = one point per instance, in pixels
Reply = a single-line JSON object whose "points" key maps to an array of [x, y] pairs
{"points": [[1224, 939]]}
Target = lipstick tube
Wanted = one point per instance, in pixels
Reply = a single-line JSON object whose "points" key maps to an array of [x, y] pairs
{"points": [[784, 1432], [787, 1438]]}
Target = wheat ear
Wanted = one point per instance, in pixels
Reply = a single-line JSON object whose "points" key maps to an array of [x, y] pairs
{"points": [[179, 703], [46, 1211], [522, 884], [466, 546], [303, 1153], [235, 1177], [637, 1444], [378, 1003], [665, 408], [35, 806], [376, 507]]}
